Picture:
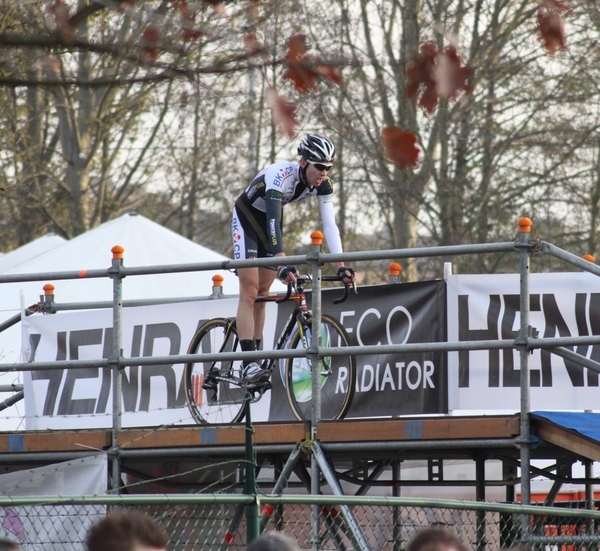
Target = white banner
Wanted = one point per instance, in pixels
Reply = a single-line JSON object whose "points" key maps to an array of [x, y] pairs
{"points": [[487, 308], [48, 527], [153, 395]]}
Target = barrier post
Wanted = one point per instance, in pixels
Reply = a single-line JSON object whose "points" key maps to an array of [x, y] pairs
{"points": [[217, 289], [316, 244], [523, 246], [394, 273], [252, 513], [589, 466], [47, 299], [114, 363]]}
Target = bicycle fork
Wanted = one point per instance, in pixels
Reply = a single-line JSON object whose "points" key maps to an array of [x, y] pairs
{"points": [[305, 330]]}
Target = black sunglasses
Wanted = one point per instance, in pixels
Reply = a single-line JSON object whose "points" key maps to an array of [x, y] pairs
{"points": [[320, 167]]}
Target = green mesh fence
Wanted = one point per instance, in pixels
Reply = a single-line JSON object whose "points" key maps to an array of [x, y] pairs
{"points": [[219, 522]]}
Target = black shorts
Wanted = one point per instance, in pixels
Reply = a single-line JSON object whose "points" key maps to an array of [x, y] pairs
{"points": [[249, 234]]}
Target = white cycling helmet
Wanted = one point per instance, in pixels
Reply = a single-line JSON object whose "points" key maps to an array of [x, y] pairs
{"points": [[316, 149]]}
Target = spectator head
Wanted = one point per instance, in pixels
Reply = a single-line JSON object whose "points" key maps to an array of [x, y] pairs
{"points": [[127, 530], [435, 539], [273, 541], [7, 545]]}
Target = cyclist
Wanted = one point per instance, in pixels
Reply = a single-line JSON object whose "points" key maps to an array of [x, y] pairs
{"points": [[256, 231]]}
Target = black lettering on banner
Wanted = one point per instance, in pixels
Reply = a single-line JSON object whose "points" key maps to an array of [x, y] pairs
{"points": [[53, 376], [510, 374], [130, 379], [594, 310], [105, 372], [466, 334], [79, 406], [511, 377], [34, 342], [153, 332], [554, 325]]}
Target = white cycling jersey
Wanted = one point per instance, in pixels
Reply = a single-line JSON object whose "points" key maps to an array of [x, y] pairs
{"points": [[256, 226]]}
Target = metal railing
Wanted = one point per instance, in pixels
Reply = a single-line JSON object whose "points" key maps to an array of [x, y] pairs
{"points": [[523, 246]]}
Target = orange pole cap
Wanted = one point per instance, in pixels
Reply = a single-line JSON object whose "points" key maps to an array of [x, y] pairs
{"points": [[589, 258], [316, 238], [525, 225], [395, 269], [117, 251], [48, 289], [217, 280]]}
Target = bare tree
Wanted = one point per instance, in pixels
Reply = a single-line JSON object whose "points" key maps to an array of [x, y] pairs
{"points": [[515, 144], [108, 96], [88, 89]]}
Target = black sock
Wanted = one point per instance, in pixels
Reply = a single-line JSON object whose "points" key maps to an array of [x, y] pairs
{"points": [[247, 345], [257, 343]]}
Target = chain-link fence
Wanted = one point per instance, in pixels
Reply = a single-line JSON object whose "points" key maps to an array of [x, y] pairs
{"points": [[219, 522]]}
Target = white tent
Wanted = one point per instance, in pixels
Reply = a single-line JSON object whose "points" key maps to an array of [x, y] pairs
{"points": [[29, 251], [146, 243]]}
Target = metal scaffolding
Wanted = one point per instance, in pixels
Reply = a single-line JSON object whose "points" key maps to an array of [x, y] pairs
{"points": [[524, 246]]}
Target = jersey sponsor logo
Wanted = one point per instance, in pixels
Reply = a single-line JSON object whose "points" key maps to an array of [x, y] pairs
{"points": [[282, 175], [253, 189], [236, 237], [276, 195], [273, 232]]}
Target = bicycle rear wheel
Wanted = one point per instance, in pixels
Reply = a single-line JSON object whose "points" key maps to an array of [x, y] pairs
{"points": [[338, 373], [225, 404]]}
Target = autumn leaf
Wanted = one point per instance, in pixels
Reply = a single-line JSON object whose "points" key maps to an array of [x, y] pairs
{"points": [[328, 72], [436, 75], [191, 34], [555, 5], [150, 38], [400, 147], [218, 7], [63, 22], [303, 77], [253, 46], [551, 25], [449, 77], [302, 69], [297, 48], [420, 77], [283, 112], [188, 20]]}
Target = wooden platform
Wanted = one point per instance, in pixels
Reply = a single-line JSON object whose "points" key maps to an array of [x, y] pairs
{"points": [[183, 458], [265, 434]]}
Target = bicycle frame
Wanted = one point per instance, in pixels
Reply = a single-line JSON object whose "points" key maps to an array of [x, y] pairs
{"points": [[299, 317], [222, 381]]}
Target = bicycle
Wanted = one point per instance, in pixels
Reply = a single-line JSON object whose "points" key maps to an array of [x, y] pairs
{"points": [[215, 390]]}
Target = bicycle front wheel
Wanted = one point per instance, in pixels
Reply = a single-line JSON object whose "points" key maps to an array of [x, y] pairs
{"points": [[337, 373], [224, 404]]}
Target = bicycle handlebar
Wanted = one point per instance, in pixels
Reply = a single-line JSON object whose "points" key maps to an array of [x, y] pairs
{"points": [[305, 279]]}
